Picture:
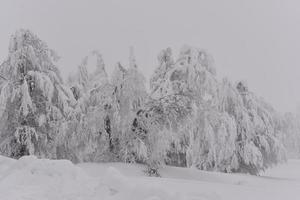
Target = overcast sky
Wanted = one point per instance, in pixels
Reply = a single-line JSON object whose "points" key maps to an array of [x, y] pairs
{"points": [[255, 40]]}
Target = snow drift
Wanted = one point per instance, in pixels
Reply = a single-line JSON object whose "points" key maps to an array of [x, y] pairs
{"points": [[43, 179], [30, 178]]}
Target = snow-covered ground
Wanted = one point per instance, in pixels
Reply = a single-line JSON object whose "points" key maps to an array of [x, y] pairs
{"points": [[39, 179]]}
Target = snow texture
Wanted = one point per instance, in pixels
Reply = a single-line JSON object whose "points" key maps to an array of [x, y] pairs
{"points": [[43, 179]]}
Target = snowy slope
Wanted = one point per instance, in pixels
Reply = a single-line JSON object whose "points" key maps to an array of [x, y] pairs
{"points": [[39, 179], [281, 182]]}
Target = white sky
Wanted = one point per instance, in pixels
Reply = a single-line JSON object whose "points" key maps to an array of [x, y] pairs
{"points": [[255, 40]]}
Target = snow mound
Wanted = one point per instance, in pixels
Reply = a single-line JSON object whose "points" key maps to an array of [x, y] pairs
{"points": [[43, 179], [32, 178]]}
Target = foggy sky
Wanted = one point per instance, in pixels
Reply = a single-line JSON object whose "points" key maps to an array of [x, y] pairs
{"points": [[255, 40]]}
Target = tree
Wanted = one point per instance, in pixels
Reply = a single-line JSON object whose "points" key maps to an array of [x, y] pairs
{"points": [[159, 77], [129, 96], [90, 131], [34, 101]]}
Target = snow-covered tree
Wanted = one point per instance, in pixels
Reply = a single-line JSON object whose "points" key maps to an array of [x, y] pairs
{"points": [[224, 118], [159, 77], [231, 102], [129, 96], [90, 131], [34, 101], [289, 128]]}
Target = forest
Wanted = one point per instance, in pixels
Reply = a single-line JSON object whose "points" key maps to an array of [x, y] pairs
{"points": [[184, 116]]}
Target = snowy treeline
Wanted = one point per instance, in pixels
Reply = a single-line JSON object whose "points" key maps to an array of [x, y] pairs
{"points": [[188, 118]]}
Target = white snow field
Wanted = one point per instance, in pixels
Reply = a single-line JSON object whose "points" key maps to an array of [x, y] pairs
{"points": [[30, 178]]}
